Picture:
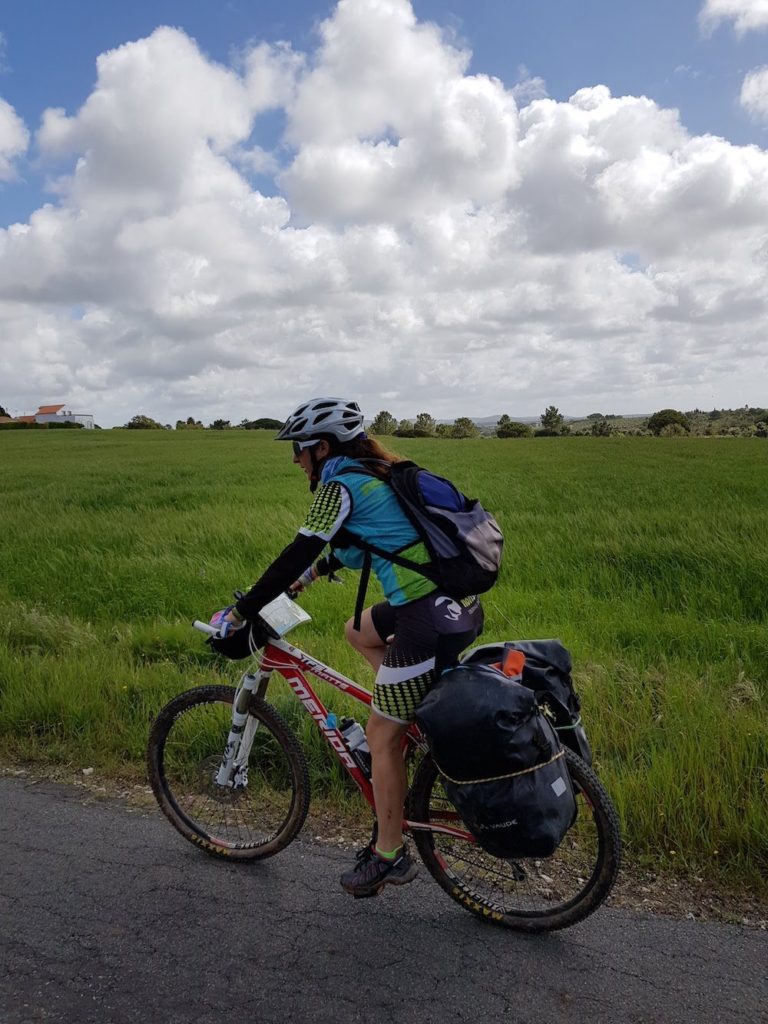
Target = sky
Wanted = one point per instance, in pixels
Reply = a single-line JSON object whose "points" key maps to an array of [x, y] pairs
{"points": [[221, 209]]}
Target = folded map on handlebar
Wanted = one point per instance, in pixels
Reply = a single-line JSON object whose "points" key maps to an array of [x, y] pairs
{"points": [[283, 614]]}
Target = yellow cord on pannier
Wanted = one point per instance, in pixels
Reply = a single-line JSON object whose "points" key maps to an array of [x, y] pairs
{"points": [[497, 778]]}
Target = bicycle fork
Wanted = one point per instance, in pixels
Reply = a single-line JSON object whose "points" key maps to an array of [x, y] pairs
{"points": [[233, 770]]}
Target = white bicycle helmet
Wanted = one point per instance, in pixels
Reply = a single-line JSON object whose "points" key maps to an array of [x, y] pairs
{"points": [[334, 417]]}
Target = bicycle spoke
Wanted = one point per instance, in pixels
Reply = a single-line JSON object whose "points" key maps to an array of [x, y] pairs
{"points": [[524, 883], [532, 894], [250, 816]]}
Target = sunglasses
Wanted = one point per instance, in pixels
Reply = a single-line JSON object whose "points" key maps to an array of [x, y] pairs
{"points": [[299, 446]]}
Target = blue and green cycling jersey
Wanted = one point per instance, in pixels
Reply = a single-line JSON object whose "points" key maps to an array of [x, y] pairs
{"points": [[368, 508]]}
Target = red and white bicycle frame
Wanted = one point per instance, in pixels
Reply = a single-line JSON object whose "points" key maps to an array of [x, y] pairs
{"points": [[295, 666]]}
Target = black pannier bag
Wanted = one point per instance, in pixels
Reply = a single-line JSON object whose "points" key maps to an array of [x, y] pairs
{"points": [[547, 672], [502, 764]]}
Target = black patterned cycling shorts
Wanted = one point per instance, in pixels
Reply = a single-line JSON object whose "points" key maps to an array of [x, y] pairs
{"points": [[429, 635]]}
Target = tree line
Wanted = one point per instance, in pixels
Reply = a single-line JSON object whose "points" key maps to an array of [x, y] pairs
{"points": [[141, 422], [425, 425], [745, 422]]}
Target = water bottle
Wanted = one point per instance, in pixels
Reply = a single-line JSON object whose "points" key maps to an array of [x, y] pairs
{"points": [[354, 737]]}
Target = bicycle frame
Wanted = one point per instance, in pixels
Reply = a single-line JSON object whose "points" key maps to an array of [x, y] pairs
{"points": [[294, 666]]}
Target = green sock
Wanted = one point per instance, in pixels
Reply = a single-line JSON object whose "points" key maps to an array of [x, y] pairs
{"points": [[388, 854]]}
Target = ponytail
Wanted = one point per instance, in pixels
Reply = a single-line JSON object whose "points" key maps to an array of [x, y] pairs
{"points": [[366, 449]]}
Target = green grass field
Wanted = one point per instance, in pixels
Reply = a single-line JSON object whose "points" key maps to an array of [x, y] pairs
{"points": [[647, 557]]}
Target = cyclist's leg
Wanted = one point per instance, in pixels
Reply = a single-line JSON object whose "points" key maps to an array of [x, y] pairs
{"points": [[429, 636], [388, 862], [376, 626], [389, 778]]}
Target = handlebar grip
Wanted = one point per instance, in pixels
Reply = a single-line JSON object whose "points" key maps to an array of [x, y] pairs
{"points": [[204, 627]]}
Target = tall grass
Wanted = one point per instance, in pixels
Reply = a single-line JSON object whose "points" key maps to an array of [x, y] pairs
{"points": [[646, 557]]}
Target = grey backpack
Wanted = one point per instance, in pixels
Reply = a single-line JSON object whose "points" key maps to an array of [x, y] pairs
{"points": [[464, 541]]}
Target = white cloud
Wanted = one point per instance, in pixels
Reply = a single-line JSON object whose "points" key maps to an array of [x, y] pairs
{"points": [[377, 71], [754, 94], [14, 139], [430, 238], [271, 73], [686, 71], [746, 15], [153, 131], [388, 123], [528, 87]]}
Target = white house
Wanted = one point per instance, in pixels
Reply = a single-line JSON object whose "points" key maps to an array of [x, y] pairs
{"points": [[59, 414]]}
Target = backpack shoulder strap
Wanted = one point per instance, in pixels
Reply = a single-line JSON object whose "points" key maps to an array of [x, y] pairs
{"points": [[404, 476], [405, 470], [351, 540], [365, 576]]}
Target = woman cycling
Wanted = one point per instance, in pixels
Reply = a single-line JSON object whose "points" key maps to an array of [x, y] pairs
{"points": [[409, 638]]}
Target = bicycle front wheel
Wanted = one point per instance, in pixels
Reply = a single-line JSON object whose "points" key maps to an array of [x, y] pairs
{"points": [[255, 819], [528, 894]]}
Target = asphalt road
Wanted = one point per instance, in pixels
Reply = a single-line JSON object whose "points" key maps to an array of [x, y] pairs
{"points": [[108, 916]]}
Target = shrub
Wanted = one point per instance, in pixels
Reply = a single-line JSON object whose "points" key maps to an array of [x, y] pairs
{"points": [[601, 427], [668, 417], [464, 427], [405, 429], [143, 423], [511, 428], [67, 425], [265, 423]]}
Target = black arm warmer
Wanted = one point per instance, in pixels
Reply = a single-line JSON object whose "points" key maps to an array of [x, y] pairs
{"points": [[286, 569]]}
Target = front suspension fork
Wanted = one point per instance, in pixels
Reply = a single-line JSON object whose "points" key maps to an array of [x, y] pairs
{"points": [[233, 770]]}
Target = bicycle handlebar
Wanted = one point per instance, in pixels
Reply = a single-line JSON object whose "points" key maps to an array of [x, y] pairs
{"points": [[204, 627], [260, 627]]}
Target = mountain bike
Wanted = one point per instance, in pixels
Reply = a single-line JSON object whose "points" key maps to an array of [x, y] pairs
{"points": [[230, 774]]}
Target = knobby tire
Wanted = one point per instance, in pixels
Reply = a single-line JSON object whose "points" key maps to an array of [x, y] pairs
{"points": [[526, 894], [183, 755]]}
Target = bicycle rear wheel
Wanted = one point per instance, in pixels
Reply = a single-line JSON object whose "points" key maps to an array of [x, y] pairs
{"points": [[185, 749], [527, 894]]}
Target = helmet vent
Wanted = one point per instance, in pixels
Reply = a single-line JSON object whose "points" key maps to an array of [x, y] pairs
{"points": [[332, 417]]}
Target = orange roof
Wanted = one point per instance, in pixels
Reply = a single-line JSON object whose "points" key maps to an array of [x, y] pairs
{"points": [[5, 419], [47, 410], [25, 419]]}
